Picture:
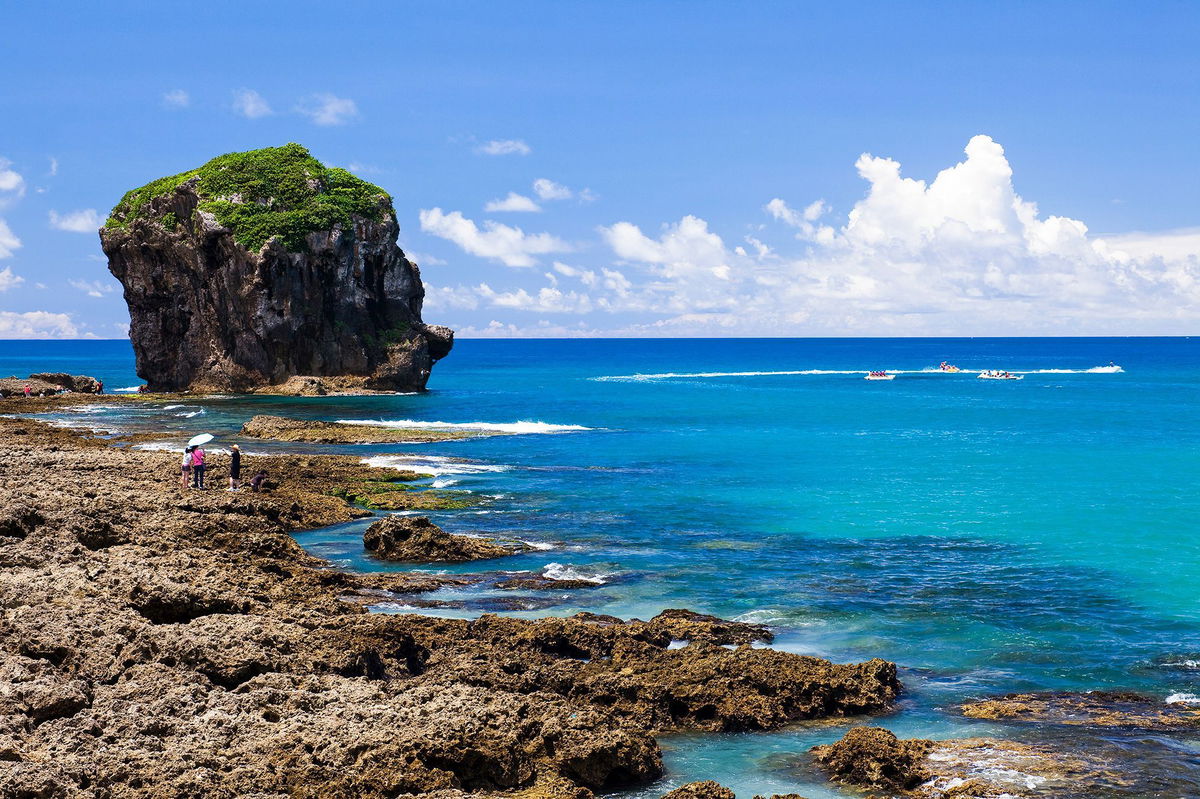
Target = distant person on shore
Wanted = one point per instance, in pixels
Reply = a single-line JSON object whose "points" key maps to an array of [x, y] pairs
{"points": [[185, 469], [257, 480], [235, 468], [198, 468], [99, 386], [28, 391]]}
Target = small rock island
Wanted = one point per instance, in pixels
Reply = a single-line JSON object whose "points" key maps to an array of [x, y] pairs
{"points": [[266, 269]]}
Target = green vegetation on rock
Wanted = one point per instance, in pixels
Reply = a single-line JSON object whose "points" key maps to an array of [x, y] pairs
{"points": [[275, 191]]}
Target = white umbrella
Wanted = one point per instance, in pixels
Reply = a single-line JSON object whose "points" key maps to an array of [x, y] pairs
{"points": [[203, 438]]}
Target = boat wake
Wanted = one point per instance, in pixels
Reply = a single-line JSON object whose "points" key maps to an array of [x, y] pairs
{"points": [[519, 428], [651, 378]]}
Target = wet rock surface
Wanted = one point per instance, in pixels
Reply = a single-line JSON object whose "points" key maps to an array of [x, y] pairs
{"points": [[1091, 709], [156, 641], [971, 768], [415, 539]]}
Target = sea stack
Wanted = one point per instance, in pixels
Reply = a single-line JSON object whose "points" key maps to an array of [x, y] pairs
{"points": [[264, 266]]}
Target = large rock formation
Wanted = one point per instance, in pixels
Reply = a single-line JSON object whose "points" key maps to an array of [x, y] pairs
{"points": [[265, 265]]}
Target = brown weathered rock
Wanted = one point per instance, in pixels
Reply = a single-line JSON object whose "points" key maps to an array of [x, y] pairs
{"points": [[80, 384], [415, 539], [1090, 709], [970, 768], [701, 790], [280, 428], [208, 314], [875, 758], [162, 642], [47, 385]]}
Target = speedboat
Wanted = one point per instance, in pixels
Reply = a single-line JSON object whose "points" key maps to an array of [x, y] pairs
{"points": [[947, 367], [880, 376], [988, 374]]}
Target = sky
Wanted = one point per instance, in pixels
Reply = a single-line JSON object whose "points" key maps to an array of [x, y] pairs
{"points": [[648, 169]]}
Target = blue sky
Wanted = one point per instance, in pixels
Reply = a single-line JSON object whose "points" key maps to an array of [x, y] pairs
{"points": [[696, 168]]}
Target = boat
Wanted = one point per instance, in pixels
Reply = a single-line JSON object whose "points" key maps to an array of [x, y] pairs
{"points": [[948, 367], [880, 376], [989, 374]]}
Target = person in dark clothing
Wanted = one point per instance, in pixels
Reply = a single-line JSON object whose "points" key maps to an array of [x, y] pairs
{"points": [[257, 480], [235, 468]]}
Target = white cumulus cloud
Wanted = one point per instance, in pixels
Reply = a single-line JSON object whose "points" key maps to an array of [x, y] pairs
{"points": [[251, 104], [509, 245], [9, 280], [513, 202], [36, 324], [328, 109], [504, 147], [86, 220]]}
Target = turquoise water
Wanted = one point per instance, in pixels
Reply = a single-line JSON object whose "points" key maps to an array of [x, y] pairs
{"points": [[989, 536]]}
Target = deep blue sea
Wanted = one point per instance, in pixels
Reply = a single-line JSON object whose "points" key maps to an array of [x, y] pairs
{"points": [[987, 535]]}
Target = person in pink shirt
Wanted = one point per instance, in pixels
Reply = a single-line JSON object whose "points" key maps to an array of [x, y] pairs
{"points": [[198, 468]]}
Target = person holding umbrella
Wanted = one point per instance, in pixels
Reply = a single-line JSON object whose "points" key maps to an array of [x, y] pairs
{"points": [[195, 445]]}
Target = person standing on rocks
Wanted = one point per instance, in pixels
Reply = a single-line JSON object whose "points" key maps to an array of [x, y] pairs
{"points": [[198, 468], [28, 391], [185, 469], [235, 468]]}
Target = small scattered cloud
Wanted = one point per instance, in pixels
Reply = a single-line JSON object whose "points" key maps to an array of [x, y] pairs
{"points": [[86, 220], [328, 109], [53, 166], [513, 202], [805, 220], [509, 245], [251, 104], [92, 288], [12, 183], [363, 169], [424, 259], [40, 286], [36, 324], [504, 147], [548, 190], [9, 242], [9, 280], [176, 99], [122, 329]]}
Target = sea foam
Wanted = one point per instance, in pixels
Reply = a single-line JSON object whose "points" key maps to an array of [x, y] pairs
{"points": [[433, 465]]}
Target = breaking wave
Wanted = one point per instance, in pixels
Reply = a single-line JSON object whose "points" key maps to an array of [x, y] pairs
{"points": [[433, 465], [558, 571]]}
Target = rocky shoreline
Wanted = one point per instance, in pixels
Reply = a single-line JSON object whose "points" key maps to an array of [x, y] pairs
{"points": [[281, 428], [158, 642]]}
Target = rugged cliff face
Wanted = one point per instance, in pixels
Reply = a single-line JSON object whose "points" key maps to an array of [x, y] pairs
{"points": [[266, 265]]}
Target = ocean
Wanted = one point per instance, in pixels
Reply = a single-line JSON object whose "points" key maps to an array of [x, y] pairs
{"points": [[987, 535]]}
